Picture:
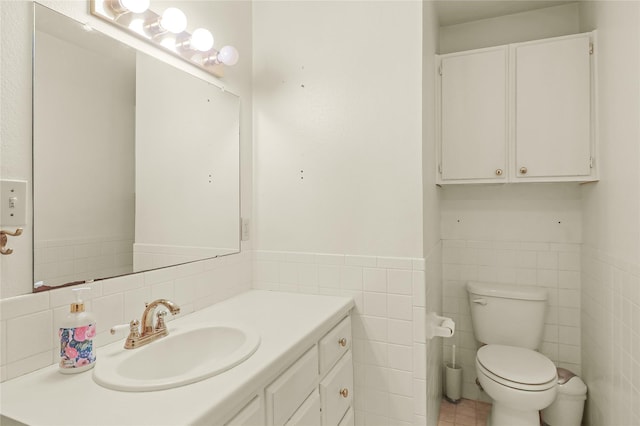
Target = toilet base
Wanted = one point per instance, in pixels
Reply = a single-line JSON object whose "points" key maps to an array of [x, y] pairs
{"points": [[502, 415]]}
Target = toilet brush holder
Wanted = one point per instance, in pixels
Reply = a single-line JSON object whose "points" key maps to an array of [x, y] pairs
{"points": [[453, 382]]}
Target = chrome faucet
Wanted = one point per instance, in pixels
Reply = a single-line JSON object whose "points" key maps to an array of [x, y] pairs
{"points": [[148, 332]]}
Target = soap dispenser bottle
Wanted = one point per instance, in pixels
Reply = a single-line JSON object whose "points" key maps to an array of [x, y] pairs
{"points": [[76, 334]]}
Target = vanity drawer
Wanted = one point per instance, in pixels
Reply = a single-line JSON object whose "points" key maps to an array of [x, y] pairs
{"points": [[348, 419], [336, 391], [251, 414], [309, 412], [288, 391], [334, 344]]}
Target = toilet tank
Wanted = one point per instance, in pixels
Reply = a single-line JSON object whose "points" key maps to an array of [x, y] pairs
{"points": [[506, 314]]}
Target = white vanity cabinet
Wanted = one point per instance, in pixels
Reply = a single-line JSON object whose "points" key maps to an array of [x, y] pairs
{"points": [[524, 112], [316, 389], [301, 374]]}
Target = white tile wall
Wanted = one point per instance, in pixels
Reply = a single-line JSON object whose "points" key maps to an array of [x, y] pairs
{"points": [[390, 364], [397, 373], [29, 323], [554, 266], [431, 371], [611, 338]]}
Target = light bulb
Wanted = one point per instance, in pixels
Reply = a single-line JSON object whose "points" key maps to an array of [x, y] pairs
{"points": [[201, 40], [228, 55], [135, 6], [137, 25], [173, 20], [168, 43]]}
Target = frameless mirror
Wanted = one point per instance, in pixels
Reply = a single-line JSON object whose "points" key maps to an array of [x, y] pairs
{"points": [[136, 163]]}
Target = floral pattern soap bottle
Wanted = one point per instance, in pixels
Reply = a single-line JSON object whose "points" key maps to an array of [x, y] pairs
{"points": [[76, 338]]}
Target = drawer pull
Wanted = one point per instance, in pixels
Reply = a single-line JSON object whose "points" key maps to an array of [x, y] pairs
{"points": [[342, 342], [344, 392]]}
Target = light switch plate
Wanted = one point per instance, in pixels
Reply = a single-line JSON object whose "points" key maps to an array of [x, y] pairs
{"points": [[245, 234], [13, 202]]}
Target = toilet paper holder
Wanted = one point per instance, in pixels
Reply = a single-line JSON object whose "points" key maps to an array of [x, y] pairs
{"points": [[437, 326]]}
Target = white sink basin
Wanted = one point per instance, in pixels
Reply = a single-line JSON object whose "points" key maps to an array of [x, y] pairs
{"points": [[186, 355]]}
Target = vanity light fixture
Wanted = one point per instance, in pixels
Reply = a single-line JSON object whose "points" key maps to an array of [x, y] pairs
{"points": [[168, 31]]}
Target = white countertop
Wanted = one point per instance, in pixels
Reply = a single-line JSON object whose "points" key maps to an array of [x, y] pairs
{"points": [[288, 324]]}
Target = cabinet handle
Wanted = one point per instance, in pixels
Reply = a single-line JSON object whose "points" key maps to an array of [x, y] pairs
{"points": [[344, 392], [498, 172], [342, 342], [523, 170]]}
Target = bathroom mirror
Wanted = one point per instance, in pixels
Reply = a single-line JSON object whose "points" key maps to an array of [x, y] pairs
{"points": [[135, 162]]}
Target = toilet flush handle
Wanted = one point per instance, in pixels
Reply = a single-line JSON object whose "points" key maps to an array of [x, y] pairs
{"points": [[480, 301]]}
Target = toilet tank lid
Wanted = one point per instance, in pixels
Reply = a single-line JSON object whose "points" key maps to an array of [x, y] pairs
{"points": [[507, 291]]}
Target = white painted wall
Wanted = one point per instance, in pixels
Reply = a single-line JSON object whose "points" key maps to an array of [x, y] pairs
{"points": [[338, 180], [611, 222], [518, 27], [611, 212], [229, 21], [15, 132], [338, 127], [432, 357]]}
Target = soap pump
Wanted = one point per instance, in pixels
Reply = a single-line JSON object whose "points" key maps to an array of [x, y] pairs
{"points": [[76, 334]]}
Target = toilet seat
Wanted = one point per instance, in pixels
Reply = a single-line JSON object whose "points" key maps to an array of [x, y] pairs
{"points": [[517, 368]]}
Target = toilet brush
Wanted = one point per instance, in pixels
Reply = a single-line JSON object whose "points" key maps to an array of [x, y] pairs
{"points": [[453, 356], [453, 379]]}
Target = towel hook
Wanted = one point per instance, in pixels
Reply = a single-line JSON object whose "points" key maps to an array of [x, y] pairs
{"points": [[3, 240]]}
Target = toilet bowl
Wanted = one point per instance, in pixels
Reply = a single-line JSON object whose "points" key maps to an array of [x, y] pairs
{"points": [[508, 320], [520, 381]]}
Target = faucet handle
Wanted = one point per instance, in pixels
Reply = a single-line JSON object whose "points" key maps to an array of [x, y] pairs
{"points": [[132, 326], [161, 324]]}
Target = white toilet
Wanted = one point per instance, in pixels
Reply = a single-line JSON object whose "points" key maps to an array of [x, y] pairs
{"points": [[509, 321]]}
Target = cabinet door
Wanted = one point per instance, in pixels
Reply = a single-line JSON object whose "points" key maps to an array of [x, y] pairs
{"points": [[252, 414], [336, 391], [309, 412], [348, 419], [334, 344], [290, 389], [553, 108], [473, 132]]}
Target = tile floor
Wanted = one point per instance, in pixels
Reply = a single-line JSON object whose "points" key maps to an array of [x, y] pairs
{"points": [[465, 413]]}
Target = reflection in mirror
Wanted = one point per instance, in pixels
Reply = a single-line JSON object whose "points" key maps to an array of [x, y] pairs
{"points": [[136, 163]]}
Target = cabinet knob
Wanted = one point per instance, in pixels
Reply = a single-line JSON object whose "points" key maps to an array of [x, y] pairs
{"points": [[523, 170], [344, 392], [498, 172], [342, 342]]}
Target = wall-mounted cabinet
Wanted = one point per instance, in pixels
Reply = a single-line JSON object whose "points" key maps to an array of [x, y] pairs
{"points": [[523, 112]]}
